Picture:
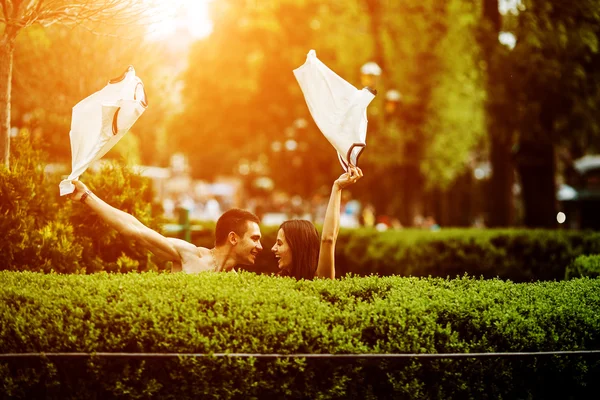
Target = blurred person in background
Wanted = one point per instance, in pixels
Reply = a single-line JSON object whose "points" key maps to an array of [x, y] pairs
{"points": [[212, 209], [368, 216]]}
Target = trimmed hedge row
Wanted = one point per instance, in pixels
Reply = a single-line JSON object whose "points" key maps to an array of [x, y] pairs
{"points": [[519, 255], [584, 266], [252, 313]]}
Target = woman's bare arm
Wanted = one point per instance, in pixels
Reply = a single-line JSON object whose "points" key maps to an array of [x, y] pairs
{"points": [[331, 225]]}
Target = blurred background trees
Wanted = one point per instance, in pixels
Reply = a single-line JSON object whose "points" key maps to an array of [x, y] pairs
{"points": [[555, 94], [56, 67], [100, 17], [242, 103], [482, 105]]}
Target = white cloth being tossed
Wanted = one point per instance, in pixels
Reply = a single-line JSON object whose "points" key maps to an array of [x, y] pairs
{"points": [[100, 120], [338, 108]]}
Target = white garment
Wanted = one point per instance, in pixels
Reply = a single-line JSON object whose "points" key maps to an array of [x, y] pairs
{"points": [[100, 120], [338, 108]]}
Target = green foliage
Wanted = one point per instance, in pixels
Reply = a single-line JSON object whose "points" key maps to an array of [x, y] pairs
{"points": [[516, 255], [33, 237], [44, 232], [431, 57], [250, 313], [248, 98], [104, 248], [68, 64], [127, 150], [556, 78], [543, 97], [455, 124], [584, 265]]}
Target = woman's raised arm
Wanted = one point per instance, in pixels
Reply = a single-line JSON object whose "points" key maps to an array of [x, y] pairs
{"points": [[331, 225]]}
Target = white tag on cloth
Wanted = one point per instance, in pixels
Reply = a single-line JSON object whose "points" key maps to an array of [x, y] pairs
{"points": [[100, 120], [337, 107]]}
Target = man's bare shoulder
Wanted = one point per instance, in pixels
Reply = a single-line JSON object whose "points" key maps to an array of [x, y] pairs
{"points": [[194, 259]]}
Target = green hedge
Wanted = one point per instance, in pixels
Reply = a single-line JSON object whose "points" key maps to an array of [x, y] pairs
{"points": [[44, 232], [584, 266], [260, 314], [519, 255]]}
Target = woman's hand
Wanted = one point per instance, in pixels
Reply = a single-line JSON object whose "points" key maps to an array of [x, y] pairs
{"points": [[80, 190], [348, 178]]}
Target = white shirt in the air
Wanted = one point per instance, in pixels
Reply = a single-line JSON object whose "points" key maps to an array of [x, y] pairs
{"points": [[337, 107], [100, 120]]}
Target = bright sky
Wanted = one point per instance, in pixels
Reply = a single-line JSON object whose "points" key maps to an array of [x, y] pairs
{"points": [[191, 15], [509, 6]]}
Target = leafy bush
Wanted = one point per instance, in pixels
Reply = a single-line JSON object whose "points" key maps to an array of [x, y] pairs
{"points": [[518, 254], [584, 266], [43, 232], [104, 249], [33, 235], [249, 313]]}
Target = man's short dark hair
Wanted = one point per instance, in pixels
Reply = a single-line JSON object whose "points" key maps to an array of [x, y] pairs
{"points": [[234, 220]]}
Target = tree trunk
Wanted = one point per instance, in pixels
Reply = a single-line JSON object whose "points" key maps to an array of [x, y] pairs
{"points": [[536, 163], [537, 167], [413, 194], [7, 45], [500, 195], [460, 201], [374, 10], [500, 202]]}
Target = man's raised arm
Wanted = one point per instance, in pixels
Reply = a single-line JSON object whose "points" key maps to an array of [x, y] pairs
{"points": [[130, 227]]}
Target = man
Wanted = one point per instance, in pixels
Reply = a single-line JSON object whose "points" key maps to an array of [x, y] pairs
{"points": [[237, 237]]}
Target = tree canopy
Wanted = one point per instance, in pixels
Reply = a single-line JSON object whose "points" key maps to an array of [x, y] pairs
{"points": [[241, 97], [109, 17], [459, 92]]}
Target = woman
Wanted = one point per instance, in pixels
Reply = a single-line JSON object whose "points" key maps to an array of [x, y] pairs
{"points": [[299, 251]]}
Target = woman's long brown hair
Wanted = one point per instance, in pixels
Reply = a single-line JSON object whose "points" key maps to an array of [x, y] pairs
{"points": [[304, 241]]}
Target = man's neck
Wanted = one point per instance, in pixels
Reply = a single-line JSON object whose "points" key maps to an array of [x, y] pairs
{"points": [[223, 258]]}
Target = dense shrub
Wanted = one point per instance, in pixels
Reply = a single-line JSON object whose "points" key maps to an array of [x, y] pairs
{"points": [[519, 255], [34, 236], [259, 314], [104, 249], [42, 231], [584, 266]]}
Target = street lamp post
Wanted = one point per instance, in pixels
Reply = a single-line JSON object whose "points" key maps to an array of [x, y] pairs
{"points": [[392, 98], [369, 74]]}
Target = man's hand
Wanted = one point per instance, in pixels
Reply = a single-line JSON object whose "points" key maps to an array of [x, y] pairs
{"points": [[348, 178], [80, 189]]}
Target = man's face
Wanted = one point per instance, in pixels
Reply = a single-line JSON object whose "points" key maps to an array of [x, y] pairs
{"points": [[248, 246]]}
